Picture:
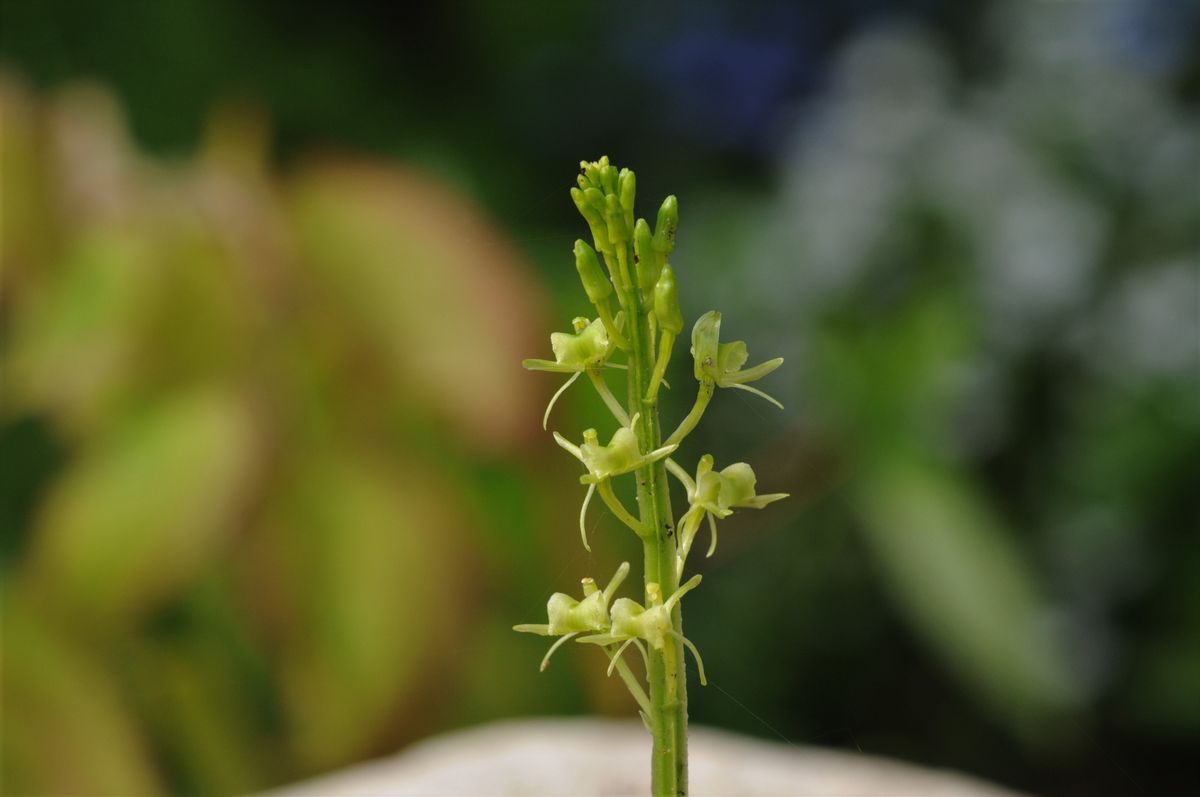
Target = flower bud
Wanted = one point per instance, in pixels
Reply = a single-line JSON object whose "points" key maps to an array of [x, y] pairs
{"points": [[579, 197], [626, 191], [591, 171], [608, 176], [596, 285], [666, 302], [585, 201], [618, 233], [664, 226], [647, 259]]}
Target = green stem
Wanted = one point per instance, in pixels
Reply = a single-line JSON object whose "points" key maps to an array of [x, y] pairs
{"points": [[610, 325], [617, 508], [631, 683], [660, 365], [665, 671], [703, 396], [679, 473], [606, 395]]}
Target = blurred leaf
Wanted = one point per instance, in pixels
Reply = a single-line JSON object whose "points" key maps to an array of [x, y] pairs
{"points": [[202, 719], [75, 334], [968, 590], [434, 290], [66, 729], [146, 509], [886, 377], [24, 213], [32, 455], [368, 552]]}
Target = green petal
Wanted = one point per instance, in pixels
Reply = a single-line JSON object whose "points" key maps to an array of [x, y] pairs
{"points": [[751, 374], [705, 335], [759, 501], [737, 485], [585, 349], [547, 365], [731, 357]]}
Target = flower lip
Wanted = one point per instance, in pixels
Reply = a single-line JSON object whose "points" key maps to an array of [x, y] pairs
{"points": [[589, 347], [620, 456]]}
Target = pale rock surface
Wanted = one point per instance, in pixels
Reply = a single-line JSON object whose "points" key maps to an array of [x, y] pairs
{"points": [[593, 757]]}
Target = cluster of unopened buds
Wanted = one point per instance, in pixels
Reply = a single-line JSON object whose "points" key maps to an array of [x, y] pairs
{"points": [[636, 271]]}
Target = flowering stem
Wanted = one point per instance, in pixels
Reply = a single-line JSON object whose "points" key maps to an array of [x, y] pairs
{"points": [[665, 670], [641, 275]]}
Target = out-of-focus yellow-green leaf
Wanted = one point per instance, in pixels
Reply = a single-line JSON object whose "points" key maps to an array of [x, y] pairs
{"points": [[66, 728], [151, 305], [969, 590], [205, 323], [24, 234], [145, 510], [75, 333], [201, 715], [434, 289], [366, 553]]}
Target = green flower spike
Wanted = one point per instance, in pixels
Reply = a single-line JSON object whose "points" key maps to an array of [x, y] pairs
{"points": [[587, 349], [603, 462], [569, 617], [626, 266], [722, 363], [715, 494], [632, 622]]}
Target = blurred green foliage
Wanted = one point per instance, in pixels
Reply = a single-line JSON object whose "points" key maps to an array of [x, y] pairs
{"points": [[265, 497], [242, 418], [990, 292]]}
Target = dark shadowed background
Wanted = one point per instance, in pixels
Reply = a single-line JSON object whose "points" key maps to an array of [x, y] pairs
{"points": [[273, 487]]}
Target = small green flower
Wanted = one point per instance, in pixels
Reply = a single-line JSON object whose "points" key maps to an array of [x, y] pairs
{"points": [[631, 622], [603, 462], [574, 353], [720, 492], [621, 455], [715, 495], [569, 616], [721, 363]]}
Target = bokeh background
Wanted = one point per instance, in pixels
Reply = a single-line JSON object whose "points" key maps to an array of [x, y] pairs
{"points": [[272, 484]]}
